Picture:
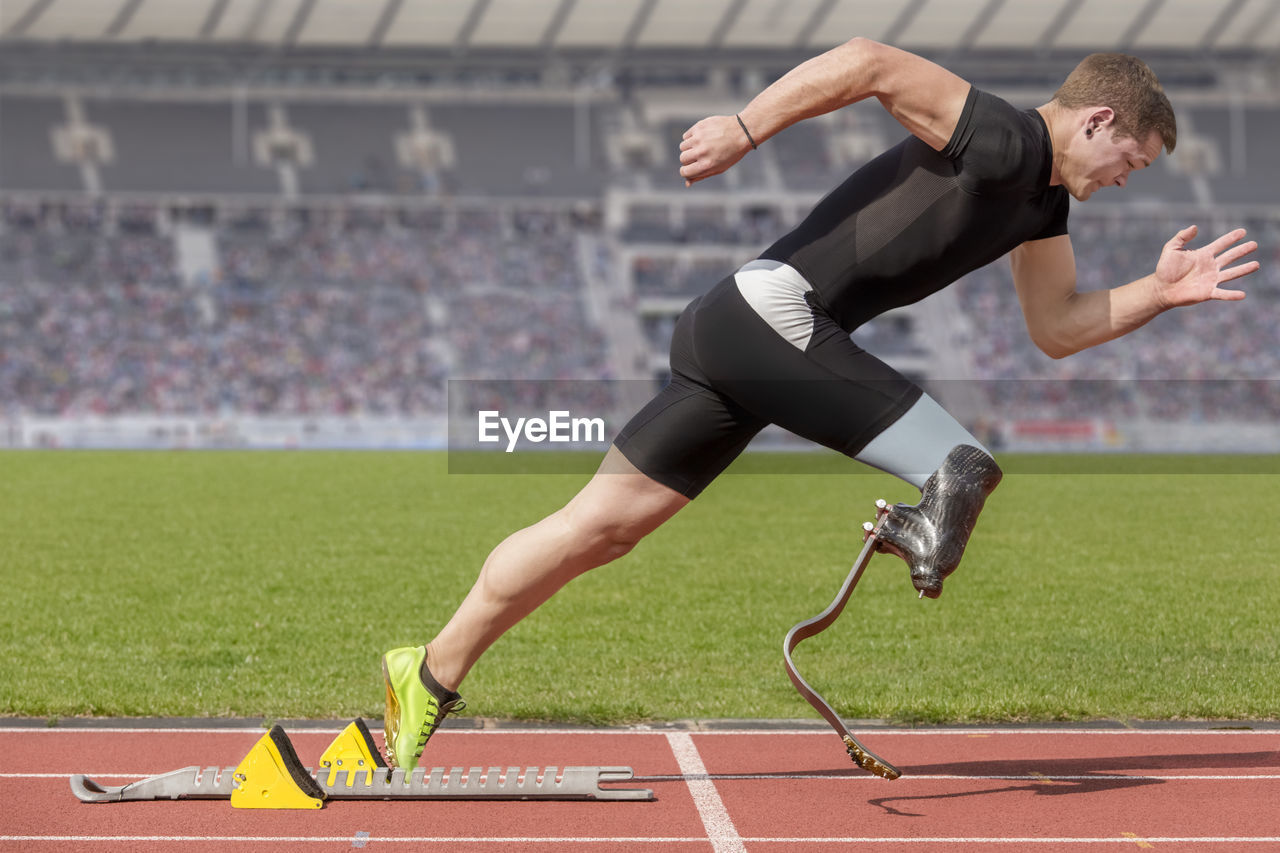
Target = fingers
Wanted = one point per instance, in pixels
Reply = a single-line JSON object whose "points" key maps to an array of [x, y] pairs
{"points": [[1219, 256], [1236, 253], [693, 146], [1186, 235], [1226, 240], [1233, 273], [692, 174], [1227, 253], [689, 169], [710, 147], [1183, 237], [695, 171]]}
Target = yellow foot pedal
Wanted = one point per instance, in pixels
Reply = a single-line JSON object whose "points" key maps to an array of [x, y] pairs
{"points": [[272, 777], [351, 751]]}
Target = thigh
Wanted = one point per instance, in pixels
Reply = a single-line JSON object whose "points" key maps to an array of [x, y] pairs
{"points": [[621, 502], [690, 432]]}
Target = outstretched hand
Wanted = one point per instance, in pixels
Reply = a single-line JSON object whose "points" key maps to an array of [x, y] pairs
{"points": [[1188, 276], [710, 147]]}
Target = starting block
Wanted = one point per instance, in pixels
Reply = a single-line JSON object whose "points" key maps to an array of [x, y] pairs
{"points": [[271, 776], [352, 750]]}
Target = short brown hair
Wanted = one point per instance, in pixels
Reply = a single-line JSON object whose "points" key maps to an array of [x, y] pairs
{"points": [[1130, 88]]}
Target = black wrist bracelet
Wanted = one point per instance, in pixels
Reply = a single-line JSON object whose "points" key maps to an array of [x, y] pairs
{"points": [[747, 132]]}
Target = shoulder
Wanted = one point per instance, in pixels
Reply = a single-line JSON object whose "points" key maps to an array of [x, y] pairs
{"points": [[996, 143], [924, 97]]}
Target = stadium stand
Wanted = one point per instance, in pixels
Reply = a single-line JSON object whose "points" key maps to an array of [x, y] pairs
{"points": [[177, 147], [325, 318], [1215, 363], [1238, 162], [300, 237], [28, 161]]}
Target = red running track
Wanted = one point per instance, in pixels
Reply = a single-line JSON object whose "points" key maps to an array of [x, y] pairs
{"points": [[756, 790]]}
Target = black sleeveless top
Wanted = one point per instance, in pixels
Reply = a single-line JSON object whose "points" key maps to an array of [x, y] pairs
{"points": [[914, 220]]}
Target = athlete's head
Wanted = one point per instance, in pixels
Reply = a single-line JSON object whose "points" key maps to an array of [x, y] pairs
{"points": [[1118, 120], [1127, 86]]}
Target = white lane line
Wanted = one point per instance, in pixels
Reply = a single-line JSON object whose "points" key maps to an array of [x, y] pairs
{"points": [[1124, 839], [525, 732], [889, 732], [634, 840], [124, 730], [715, 817], [331, 839], [933, 777], [827, 777], [78, 773]]}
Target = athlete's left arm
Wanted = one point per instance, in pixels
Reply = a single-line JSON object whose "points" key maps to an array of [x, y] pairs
{"points": [[1063, 321]]}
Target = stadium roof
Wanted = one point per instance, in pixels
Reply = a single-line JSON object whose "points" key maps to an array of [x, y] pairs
{"points": [[621, 26]]}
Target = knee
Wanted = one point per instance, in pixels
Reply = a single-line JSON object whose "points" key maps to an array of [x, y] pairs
{"points": [[604, 532]]}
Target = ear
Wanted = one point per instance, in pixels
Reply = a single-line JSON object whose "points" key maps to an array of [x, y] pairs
{"points": [[1100, 117]]}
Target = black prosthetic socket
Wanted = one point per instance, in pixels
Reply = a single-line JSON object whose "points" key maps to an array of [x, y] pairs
{"points": [[931, 536]]}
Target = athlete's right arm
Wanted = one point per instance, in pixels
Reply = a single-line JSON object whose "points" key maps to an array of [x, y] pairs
{"points": [[926, 98], [1062, 321]]}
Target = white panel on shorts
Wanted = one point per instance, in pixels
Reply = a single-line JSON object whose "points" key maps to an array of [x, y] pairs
{"points": [[776, 292]]}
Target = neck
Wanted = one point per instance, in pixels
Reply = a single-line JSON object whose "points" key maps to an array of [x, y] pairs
{"points": [[1053, 119]]}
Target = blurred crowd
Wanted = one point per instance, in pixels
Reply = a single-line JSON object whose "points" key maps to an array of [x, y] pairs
{"points": [[1204, 362], [302, 316], [370, 311]]}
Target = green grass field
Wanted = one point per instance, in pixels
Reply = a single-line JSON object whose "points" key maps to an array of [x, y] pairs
{"points": [[268, 584]]}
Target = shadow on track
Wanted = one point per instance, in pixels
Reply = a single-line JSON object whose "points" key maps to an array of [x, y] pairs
{"points": [[1054, 777], [1062, 776]]}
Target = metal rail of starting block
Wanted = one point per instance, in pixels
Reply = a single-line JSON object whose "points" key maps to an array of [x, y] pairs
{"points": [[494, 783], [271, 777]]}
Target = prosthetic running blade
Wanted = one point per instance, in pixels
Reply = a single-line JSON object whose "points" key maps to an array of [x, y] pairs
{"points": [[863, 757]]}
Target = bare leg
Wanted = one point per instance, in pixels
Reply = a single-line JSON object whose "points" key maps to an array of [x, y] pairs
{"points": [[614, 511]]}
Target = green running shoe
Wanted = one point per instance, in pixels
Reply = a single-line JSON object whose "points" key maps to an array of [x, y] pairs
{"points": [[414, 709]]}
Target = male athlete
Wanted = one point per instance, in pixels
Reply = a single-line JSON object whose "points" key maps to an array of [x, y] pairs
{"points": [[975, 179]]}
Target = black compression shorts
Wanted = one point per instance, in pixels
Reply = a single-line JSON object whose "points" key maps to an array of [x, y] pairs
{"points": [[732, 373]]}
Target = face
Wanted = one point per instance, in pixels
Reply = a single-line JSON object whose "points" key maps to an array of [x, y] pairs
{"points": [[1099, 158]]}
